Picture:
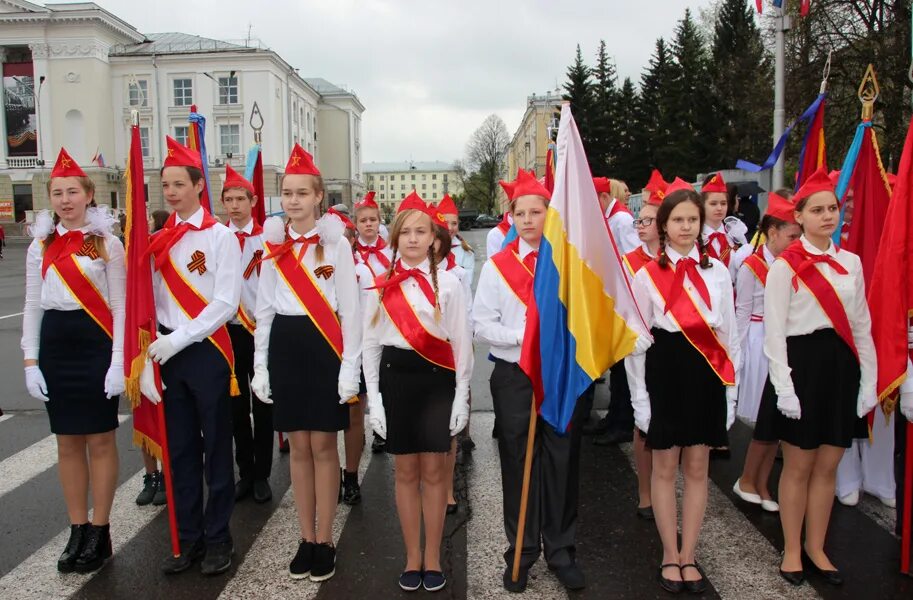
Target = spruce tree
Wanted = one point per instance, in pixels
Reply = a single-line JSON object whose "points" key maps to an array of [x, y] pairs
{"points": [[632, 161], [653, 116], [579, 92], [605, 117]]}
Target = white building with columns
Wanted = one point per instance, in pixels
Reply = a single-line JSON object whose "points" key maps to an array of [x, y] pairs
{"points": [[73, 73]]}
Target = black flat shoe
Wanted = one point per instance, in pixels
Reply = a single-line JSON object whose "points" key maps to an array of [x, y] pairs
{"points": [[74, 546], [698, 586], [796, 578], [673, 587], [645, 513], [262, 491], [452, 508], [833, 577]]}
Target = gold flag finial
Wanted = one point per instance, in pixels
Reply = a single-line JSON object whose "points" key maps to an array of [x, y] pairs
{"points": [[868, 93]]}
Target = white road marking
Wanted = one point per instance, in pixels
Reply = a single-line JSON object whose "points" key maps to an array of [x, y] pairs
{"points": [[18, 314]]}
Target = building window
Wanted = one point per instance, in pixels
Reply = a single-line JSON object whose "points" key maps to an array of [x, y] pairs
{"points": [[434, 186], [228, 90], [402, 186], [381, 177], [413, 187], [183, 92], [144, 141], [424, 186], [230, 139], [402, 178], [424, 176], [114, 200], [445, 177], [381, 187], [139, 93], [381, 196], [413, 178], [181, 134], [434, 176]]}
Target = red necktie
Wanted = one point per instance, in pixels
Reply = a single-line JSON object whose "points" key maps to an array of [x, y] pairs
{"points": [[62, 247], [530, 261], [289, 243], [813, 259], [400, 274], [717, 237], [241, 235], [376, 250], [451, 261], [687, 266]]}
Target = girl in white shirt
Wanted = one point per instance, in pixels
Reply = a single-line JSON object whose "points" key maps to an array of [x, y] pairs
{"points": [[722, 244], [72, 339], [307, 349], [686, 298], [417, 363], [779, 230], [822, 374]]}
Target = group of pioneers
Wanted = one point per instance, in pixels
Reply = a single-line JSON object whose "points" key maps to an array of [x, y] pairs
{"points": [[301, 325]]}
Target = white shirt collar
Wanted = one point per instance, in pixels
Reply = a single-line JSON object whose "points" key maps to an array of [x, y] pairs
{"points": [[674, 256], [196, 219], [710, 230], [831, 250], [647, 250], [246, 229], [768, 255], [424, 266], [362, 242], [295, 235], [61, 230], [525, 248], [609, 208]]}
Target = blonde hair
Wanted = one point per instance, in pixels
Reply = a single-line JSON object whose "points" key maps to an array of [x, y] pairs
{"points": [[617, 189]]}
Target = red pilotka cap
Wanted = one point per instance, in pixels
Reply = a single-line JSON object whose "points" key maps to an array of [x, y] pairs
{"points": [[818, 182], [180, 155], [779, 207], [367, 202], [235, 180], [657, 187], [447, 207], [437, 217], [525, 184], [66, 166], [301, 163], [603, 185], [412, 202], [715, 185], [678, 184]]}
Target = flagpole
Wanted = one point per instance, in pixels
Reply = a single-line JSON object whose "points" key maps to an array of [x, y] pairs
{"points": [[783, 25], [524, 493]]}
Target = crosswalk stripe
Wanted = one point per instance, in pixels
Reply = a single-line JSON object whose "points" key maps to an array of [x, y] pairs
{"points": [[265, 566], [5, 418], [485, 541], [31, 462], [738, 560], [37, 578]]}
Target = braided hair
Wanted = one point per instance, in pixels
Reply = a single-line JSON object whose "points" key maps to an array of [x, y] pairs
{"points": [[662, 217], [433, 260]]}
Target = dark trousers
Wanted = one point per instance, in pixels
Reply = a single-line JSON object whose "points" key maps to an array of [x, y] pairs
{"points": [[620, 416], [198, 417], [253, 446], [552, 506], [903, 486]]}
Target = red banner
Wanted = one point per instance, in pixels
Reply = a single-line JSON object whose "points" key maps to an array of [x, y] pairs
{"points": [[871, 195]]}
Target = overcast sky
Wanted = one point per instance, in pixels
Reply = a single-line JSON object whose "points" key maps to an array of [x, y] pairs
{"points": [[428, 71]]}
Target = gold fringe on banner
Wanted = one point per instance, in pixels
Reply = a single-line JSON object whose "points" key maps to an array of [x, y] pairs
{"points": [[136, 369]]}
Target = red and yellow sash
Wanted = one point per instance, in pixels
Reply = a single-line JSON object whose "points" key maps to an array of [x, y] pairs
{"points": [[617, 207], [758, 265], [302, 284], [802, 264], [192, 303], [636, 259], [60, 255], [514, 273], [688, 316], [246, 320], [432, 348]]}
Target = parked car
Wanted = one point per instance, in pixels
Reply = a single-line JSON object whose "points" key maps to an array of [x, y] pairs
{"points": [[487, 221]]}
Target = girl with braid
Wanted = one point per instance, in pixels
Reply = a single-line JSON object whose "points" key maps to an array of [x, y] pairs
{"points": [[417, 360], [683, 386]]}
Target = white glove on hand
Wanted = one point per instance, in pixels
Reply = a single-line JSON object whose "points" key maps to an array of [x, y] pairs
{"points": [[788, 404], [376, 415], [259, 385], [35, 384], [906, 405], [642, 344], [162, 349], [114, 380], [865, 402], [642, 413], [910, 338], [732, 395], [346, 390], [147, 383], [736, 229], [459, 415]]}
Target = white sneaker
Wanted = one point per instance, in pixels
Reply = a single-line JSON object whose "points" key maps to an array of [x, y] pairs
{"points": [[770, 505], [889, 502], [750, 498], [851, 499]]}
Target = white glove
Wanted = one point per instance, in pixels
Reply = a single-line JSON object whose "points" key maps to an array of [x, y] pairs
{"points": [[147, 383], [865, 402], [162, 349], [376, 415], [259, 385], [459, 415], [114, 380], [906, 405], [35, 384], [732, 395], [788, 404], [346, 390], [736, 229], [642, 344], [910, 338], [642, 412]]}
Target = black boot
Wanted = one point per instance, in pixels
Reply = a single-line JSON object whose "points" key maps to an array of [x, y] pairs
{"points": [[96, 550], [161, 497], [74, 547], [351, 491], [148, 492]]}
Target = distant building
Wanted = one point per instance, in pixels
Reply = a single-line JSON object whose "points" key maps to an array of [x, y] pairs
{"points": [[393, 181], [529, 144], [73, 73]]}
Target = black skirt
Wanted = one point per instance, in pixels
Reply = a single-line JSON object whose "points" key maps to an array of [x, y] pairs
{"points": [[825, 376], [687, 398], [74, 357], [418, 396], [304, 378]]}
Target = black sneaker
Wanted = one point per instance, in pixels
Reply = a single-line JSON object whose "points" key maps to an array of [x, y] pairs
{"points": [[300, 568], [218, 558], [570, 577], [148, 492], [191, 552], [243, 488], [433, 581], [161, 498], [379, 445], [351, 492], [324, 565], [95, 551], [518, 586], [74, 546], [410, 581], [262, 491]]}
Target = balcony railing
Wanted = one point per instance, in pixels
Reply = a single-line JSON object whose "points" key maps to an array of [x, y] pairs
{"points": [[21, 162]]}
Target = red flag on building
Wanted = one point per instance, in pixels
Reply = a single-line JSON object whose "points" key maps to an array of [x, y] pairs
{"points": [[871, 195]]}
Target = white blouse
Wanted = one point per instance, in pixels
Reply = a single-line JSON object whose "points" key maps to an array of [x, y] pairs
{"points": [[466, 259], [373, 266], [790, 313], [737, 255], [51, 293], [252, 244], [453, 326], [623, 231], [749, 296], [341, 289]]}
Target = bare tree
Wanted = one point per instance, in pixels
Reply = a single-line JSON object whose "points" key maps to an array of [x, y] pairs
{"points": [[485, 159]]}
